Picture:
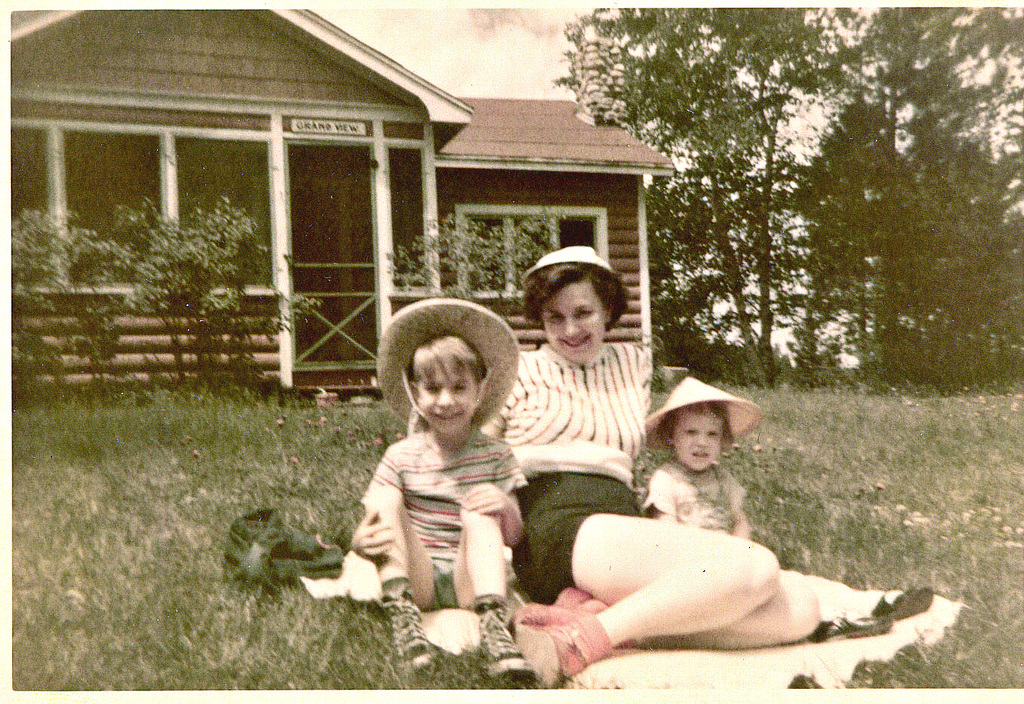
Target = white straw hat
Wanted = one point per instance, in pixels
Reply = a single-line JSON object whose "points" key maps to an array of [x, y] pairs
{"points": [[743, 415], [423, 321], [570, 255]]}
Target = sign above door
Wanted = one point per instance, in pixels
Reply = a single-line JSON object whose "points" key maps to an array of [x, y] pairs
{"points": [[305, 125]]}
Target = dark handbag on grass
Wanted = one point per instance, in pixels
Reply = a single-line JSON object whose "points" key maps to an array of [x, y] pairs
{"points": [[262, 550]]}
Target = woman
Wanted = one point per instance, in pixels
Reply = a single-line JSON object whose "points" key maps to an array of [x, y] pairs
{"points": [[575, 420]]}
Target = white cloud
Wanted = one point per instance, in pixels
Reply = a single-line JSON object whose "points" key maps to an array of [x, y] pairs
{"points": [[471, 53]]}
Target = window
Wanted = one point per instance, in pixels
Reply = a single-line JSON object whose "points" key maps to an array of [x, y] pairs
{"points": [[210, 169], [105, 170], [574, 232], [406, 198], [544, 229], [28, 170]]}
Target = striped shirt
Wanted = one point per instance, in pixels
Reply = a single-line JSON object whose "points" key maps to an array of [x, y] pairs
{"points": [[431, 489], [603, 402]]}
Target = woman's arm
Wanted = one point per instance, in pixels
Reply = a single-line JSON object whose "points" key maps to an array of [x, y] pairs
{"points": [[740, 524]]}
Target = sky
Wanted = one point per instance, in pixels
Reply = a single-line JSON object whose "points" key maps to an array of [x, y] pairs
{"points": [[469, 52]]}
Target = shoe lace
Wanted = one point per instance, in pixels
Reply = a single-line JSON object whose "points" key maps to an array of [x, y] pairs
{"points": [[406, 626], [495, 636]]}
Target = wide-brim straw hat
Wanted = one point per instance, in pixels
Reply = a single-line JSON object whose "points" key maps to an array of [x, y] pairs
{"points": [[743, 415], [577, 254], [423, 321]]}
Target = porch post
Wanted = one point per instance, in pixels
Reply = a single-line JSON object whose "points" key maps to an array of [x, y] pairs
{"points": [[56, 185], [168, 176], [280, 250], [383, 239], [430, 221], [645, 273]]}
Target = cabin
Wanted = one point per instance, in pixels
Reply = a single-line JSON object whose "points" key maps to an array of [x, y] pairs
{"points": [[340, 155]]}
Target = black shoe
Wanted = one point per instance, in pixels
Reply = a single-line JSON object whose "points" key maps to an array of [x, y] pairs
{"points": [[503, 657], [907, 604], [804, 682], [843, 627], [411, 645]]}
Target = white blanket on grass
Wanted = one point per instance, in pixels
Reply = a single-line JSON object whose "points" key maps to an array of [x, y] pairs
{"points": [[830, 664]]}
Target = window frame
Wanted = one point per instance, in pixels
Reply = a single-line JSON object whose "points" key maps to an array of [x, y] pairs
{"points": [[553, 214], [57, 130]]}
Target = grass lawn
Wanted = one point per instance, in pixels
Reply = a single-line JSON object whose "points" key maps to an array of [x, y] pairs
{"points": [[120, 512]]}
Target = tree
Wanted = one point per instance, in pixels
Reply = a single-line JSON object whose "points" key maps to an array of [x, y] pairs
{"points": [[915, 200], [721, 91]]}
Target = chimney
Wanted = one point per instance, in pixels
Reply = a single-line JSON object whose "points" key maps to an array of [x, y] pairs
{"points": [[601, 79]]}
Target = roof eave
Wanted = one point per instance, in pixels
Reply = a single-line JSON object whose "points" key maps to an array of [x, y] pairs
{"points": [[607, 167], [441, 106]]}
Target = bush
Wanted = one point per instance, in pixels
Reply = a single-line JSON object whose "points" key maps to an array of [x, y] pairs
{"points": [[471, 261], [191, 274], [49, 259]]}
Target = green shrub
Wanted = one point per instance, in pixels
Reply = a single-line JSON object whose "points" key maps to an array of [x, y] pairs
{"points": [[191, 274], [48, 260], [466, 260]]}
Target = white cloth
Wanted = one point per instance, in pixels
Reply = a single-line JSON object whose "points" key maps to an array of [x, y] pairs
{"points": [[830, 664]]}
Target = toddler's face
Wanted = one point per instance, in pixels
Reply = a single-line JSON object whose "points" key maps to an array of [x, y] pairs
{"points": [[697, 439]]}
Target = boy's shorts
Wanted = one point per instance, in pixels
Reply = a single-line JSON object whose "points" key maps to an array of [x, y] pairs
{"points": [[444, 584], [554, 507]]}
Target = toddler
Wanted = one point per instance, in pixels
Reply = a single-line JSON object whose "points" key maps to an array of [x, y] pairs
{"points": [[691, 488]]}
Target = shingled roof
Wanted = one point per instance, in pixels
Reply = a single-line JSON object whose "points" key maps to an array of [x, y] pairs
{"points": [[545, 134]]}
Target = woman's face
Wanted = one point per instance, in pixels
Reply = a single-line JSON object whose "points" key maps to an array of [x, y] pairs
{"points": [[574, 322]]}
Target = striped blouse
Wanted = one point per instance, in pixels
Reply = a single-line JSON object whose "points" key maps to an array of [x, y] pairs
{"points": [[603, 402], [431, 489]]}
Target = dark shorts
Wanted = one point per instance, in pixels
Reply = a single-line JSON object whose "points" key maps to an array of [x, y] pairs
{"points": [[554, 507]]}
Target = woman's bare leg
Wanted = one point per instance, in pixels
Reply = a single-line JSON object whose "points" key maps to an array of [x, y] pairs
{"points": [[681, 581], [790, 616]]}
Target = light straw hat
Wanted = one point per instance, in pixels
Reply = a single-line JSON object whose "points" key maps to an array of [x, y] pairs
{"points": [[570, 255], [423, 321], [743, 415]]}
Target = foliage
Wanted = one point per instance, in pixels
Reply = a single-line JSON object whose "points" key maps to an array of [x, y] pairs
{"points": [[191, 274], [720, 91], [49, 260], [470, 260], [915, 207], [120, 513]]}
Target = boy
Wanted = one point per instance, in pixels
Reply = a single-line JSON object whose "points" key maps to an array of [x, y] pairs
{"points": [[440, 507]]}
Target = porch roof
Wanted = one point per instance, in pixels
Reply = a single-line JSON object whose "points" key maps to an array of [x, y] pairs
{"points": [[546, 134]]}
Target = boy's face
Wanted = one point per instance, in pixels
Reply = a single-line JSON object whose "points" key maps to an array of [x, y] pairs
{"points": [[447, 402], [697, 439]]}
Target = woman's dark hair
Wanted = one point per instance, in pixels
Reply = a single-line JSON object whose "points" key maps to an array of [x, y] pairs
{"points": [[543, 284]]}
